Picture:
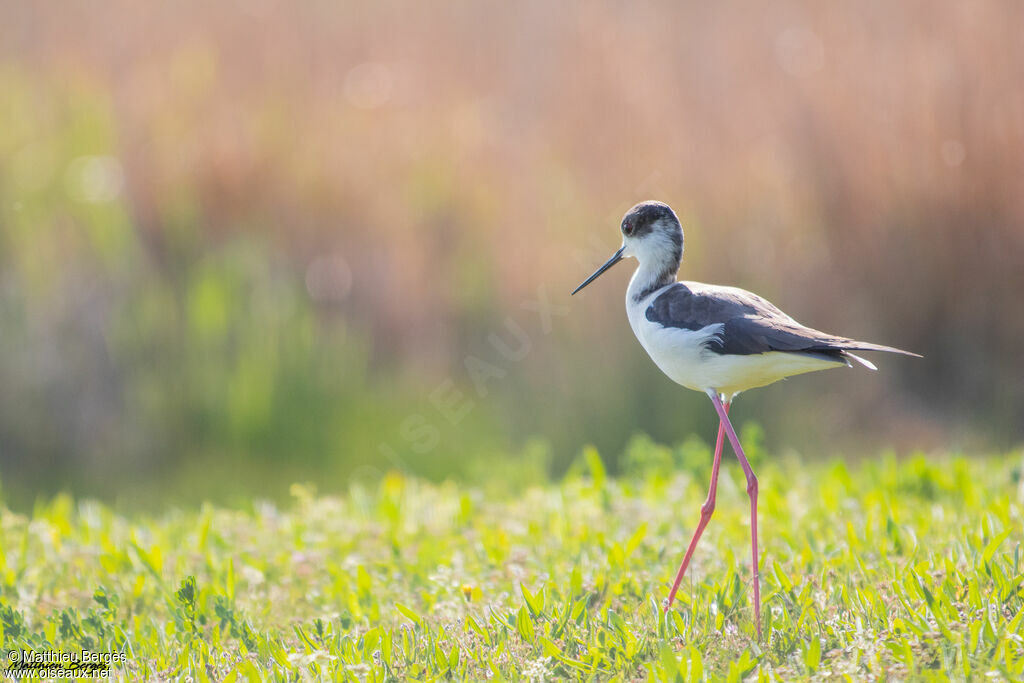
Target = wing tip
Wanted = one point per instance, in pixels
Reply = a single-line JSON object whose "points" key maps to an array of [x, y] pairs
{"points": [[867, 346]]}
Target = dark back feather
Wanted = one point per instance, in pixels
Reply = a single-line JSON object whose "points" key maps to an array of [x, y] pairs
{"points": [[750, 324]]}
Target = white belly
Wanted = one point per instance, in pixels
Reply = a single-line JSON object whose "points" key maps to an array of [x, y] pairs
{"points": [[681, 355]]}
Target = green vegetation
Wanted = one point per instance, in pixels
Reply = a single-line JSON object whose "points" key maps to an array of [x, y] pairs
{"points": [[892, 568]]}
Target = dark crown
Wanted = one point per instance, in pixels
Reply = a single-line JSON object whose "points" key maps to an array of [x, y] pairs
{"points": [[640, 220]]}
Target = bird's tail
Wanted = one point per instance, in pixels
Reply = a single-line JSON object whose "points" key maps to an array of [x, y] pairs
{"points": [[867, 346], [863, 361]]}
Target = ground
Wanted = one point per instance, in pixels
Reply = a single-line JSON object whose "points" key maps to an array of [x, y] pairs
{"points": [[905, 568]]}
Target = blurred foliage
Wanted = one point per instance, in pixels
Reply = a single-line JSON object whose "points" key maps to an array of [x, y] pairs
{"points": [[118, 369], [253, 243]]}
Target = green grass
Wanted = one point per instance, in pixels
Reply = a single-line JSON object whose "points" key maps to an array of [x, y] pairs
{"points": [[889, 568]]}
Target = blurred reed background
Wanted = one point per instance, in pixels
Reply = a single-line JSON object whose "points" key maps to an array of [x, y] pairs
{"points": [[247, 243]]}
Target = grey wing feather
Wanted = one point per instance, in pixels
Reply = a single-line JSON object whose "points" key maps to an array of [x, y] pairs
{"points": [[750, 324]]}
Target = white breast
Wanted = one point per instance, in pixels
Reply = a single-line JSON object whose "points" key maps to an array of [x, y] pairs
{"points": [[681, 354]]}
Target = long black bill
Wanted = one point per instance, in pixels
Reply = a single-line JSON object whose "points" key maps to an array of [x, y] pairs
{"points": [[611, 262]]}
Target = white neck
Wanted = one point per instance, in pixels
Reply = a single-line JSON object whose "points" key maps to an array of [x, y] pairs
{"points": [[660, 256], [648, 278]]}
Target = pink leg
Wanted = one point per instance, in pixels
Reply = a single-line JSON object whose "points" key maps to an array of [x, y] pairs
{"points": [[723, 415], [705, 513]]}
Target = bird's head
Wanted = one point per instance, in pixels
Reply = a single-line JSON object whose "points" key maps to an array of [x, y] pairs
{"points": [[652, 234]]}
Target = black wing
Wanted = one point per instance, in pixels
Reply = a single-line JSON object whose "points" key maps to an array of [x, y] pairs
{"points": [[750, 324]]}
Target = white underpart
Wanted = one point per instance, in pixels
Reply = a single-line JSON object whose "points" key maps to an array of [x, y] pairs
{"points": [[682, 355]]}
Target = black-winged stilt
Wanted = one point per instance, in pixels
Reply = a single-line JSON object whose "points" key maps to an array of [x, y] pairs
{"points": [[719, 340]]}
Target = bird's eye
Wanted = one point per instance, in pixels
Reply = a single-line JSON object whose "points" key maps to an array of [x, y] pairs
{"points": [[627, 229]]}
